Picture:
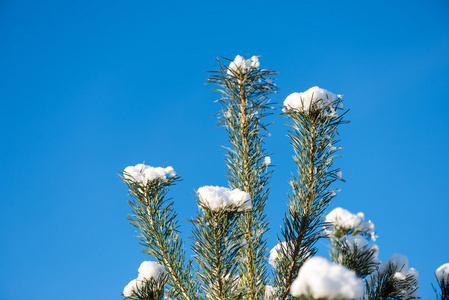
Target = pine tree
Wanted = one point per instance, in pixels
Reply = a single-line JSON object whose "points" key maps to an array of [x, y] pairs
{"points": [[229, 229]]}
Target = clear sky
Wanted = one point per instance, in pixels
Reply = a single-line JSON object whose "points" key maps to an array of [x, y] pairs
{"points": [[90, 87]]}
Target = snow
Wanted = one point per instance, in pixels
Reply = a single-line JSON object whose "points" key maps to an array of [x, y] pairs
{"points": [[133, 285], [147, 270], [359, 242], [401, 266], [267, 160], [274, 253], [281, 249], [322, 279], [242, 65], [314, 96], [269, 291], [144, 174], [217, 198], [442, 273], [339, 175], [151, 269], [398, 260], [342, 219]]}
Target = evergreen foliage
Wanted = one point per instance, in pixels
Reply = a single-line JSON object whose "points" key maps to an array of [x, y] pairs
{"points": [[228, 238], [387, 284], [360, 258], [442, 277], [150, 290], [244, 104], [155, 220], [216, 245], [312, 135], [444, 290]]}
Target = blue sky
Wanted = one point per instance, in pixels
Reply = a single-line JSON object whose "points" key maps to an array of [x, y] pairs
{"points": [[90, 87]]}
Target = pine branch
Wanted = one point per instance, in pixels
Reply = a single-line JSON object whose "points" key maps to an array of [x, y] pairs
{"points": [[216, 246], [313, 133], [150, 290], [156, 224], [360, 258], [443, 293], [386, 285], [244, 104]]}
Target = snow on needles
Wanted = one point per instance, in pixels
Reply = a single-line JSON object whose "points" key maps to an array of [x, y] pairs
{"points": [[359, 242], [322, 279], [281, 249], [242, 65], [151, 269], [133, 286], [148, 270], [217, 198], [341, 220], [144, 174], [314, 96], [275, 252], [269, 291], [399, 263], [267, 160], [442, 274]]}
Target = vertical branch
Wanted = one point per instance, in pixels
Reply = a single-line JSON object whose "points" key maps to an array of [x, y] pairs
{"points": [[155, 221], [244, 133], [313, 133], [245, 91], [215, 246], [247, 226]]}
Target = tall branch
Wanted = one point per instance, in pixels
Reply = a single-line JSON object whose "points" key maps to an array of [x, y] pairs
{"points": [[157, 227], [245, 101], [313, 133]]}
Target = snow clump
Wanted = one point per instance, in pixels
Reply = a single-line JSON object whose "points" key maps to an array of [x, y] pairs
{"points": [[400, 265], [151, 269], [133, 286], [148, 270], [359, 242], [342, 222], [267, 160], [305, 100], [274, 253], [269, 291], [281, 249], [442, 273], [322, 279], [242, 65], [216, 198], [144, 174]]}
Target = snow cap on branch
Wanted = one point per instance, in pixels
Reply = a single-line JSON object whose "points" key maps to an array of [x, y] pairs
{"points": [[400, 262], [281, 249], [277, 250], [313, 96], [267, 160], [143, 174], [269, 291], [148, 270], [242, 65], [442, 273], [133, 286], [216, 198], [151, 269], [322, 279], [343, 221], [359, 242]]}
